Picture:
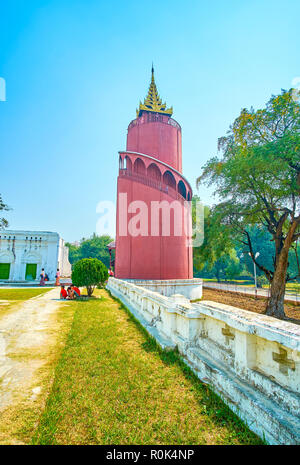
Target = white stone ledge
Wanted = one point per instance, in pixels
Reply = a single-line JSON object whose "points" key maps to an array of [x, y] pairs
{"points": [[261, 414], [264, 326], [190, 288], [152, 330]]}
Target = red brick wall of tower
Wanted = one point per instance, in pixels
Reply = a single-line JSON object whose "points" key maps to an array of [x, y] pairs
{"points": [[158, 136], [151, 257], [153, 173]]}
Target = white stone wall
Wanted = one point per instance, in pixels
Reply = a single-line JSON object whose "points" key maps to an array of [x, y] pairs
{"points": [[252, 361], [21, 247], [190, 288], [63, 259]]}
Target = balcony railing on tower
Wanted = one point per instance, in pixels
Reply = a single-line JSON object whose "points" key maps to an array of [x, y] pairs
{"points": [[159, 185], [154, 118]]}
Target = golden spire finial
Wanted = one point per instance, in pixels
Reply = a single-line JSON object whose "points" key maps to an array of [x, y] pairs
{"points": [[153, 102]]}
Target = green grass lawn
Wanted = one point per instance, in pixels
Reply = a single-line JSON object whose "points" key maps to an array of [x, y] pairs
{"points": [[241, 282], [22, 293], [293, 287], [290, 287], [113, 385]]}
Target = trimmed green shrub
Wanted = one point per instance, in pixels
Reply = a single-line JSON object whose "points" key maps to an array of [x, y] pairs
{"points": [[89, 272]]}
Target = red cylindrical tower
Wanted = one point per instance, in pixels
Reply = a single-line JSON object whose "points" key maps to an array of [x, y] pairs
{"points": [[153, 229]]}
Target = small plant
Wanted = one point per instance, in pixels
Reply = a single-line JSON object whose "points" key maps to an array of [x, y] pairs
{"points": [[261, 281], [89, 272]]}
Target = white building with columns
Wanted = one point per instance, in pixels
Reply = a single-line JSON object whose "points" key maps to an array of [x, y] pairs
{"points": [[23, 254]]}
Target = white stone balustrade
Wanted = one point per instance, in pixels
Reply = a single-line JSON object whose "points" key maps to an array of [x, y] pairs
{"points": [[252, 361]]}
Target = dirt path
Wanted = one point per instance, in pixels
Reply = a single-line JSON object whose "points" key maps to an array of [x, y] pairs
{"points": [[29, 338]]}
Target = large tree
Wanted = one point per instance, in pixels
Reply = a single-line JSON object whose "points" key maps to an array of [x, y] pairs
{"points": [[257, 181], [94, 247]]}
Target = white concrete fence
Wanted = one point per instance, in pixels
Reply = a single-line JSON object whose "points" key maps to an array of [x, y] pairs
{"points": [[252, 361]]}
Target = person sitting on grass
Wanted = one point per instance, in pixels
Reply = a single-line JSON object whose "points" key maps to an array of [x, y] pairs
{"points": [[76, 291], [63, 292], [71, 294]]}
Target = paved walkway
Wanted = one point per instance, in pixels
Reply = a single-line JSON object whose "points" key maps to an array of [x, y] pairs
{"points": [[27, 332]]}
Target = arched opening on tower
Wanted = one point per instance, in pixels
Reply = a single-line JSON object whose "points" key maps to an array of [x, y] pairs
{"points": [[139, 167], [182, 189], [169, 179], [127, 164], [120, 163], [154, 172]]}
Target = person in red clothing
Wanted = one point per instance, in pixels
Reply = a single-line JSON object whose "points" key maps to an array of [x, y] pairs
{"points": [[63, 292], [76, 291], [57, 277]]}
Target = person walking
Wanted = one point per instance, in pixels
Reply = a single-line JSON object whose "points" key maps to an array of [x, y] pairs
{"points": [[42, 276], [57, 276]]}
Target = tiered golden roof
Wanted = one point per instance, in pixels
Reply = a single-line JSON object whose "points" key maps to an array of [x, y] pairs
{"points": [[153, 102]]}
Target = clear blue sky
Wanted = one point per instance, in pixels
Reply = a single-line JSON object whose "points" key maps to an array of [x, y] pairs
{"points": [[76, 70]]}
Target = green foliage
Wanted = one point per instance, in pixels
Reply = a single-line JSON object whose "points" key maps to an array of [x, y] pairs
{"points": [[257, 180], [261, 241], [215, 255], [217, 245], [3, 207], [89, 272], [261, 281], [94, 247], [74, 255], [258, 177]]}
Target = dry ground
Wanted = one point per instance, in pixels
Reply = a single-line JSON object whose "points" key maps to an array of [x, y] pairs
{"points": [[247, 302]]}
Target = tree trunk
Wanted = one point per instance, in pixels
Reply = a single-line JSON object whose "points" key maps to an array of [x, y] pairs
{"points": [[275, 305], [89, 290]]}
